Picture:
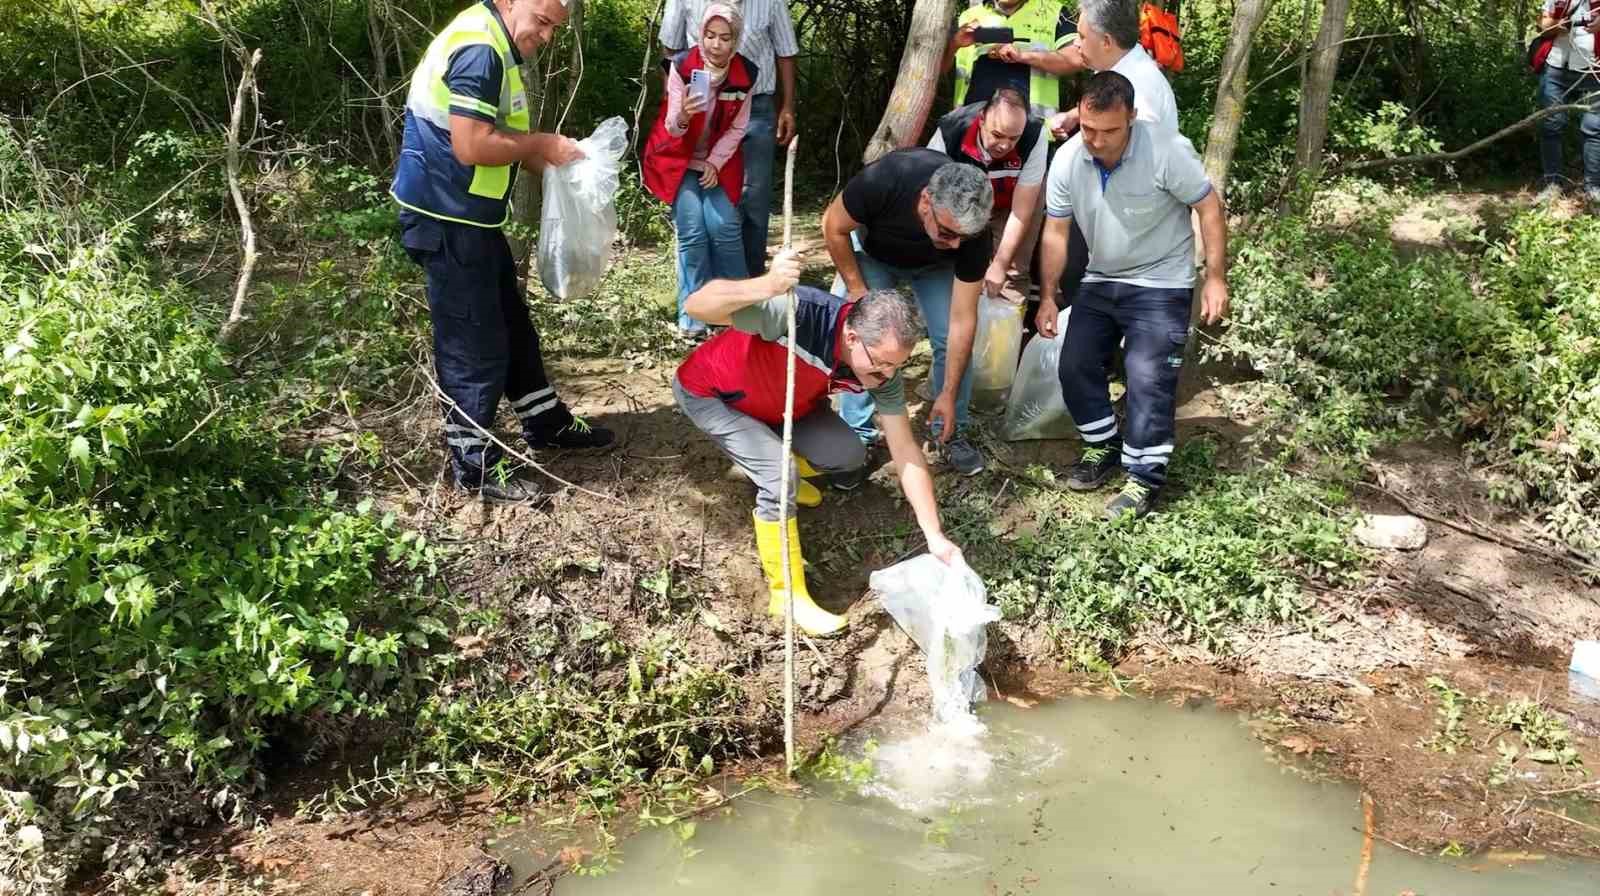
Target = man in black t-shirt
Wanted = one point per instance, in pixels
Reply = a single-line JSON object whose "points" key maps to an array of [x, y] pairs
{"points": [[916, 218]]}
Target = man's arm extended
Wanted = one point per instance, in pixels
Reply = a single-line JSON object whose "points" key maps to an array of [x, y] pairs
{"points": [[478, 142], [917, 483], [837, 225], [716, 302]]}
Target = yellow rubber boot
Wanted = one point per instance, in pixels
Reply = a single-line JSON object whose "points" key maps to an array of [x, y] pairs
{"points": [[808, 617], [806, 494]]}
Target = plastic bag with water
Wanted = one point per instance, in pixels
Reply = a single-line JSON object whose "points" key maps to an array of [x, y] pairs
{"points": [[578, 222], [1036, 409], [945, 610], [995, 347]]}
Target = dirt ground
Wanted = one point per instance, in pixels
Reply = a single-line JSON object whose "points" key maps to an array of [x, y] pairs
{"points": [[1349, 696]]}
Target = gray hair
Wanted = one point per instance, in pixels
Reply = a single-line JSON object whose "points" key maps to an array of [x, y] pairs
{"points": [[882, 313], [1119, 19], [962, 191]]}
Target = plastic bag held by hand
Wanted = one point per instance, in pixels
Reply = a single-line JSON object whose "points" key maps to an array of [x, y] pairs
{"points": [[1036, 409], [579, 220], [945, 610], [995, 347]]}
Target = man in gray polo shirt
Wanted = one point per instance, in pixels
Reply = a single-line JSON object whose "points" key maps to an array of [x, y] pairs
{"points": [[1130, 188]]}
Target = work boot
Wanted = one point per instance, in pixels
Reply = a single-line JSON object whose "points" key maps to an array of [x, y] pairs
{"points": [[963, 456], [808, 617], [575, 436], [493, 489], [1098, 464], [807, 495], [1136, 499]]}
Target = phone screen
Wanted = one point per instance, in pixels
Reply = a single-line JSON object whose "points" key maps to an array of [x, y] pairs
{"points": [[700, 84], [993, 35]]}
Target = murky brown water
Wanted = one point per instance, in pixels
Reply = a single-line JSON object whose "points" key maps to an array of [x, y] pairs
{"points": [[1075, 797]]}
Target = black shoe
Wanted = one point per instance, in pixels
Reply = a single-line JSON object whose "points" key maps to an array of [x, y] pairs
{"points": [[849, 480], [1136, 499], [495, 490], [575, 436], [1098, 464]]}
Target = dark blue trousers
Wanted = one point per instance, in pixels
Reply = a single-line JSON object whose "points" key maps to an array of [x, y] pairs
{"points": [[484, 344], [1155, 326]]}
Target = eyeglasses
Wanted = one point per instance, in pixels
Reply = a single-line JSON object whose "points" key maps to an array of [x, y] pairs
{"points": [[946, 233], [877, 367]]}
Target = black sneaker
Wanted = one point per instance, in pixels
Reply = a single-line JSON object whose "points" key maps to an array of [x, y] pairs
{"points": [[493, 489], [575, 436], [849, 480], [963, 456], [1135, 499], [1098, 464]]}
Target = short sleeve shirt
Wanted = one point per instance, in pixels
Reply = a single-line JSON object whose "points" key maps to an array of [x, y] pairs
{"points": [[474, 77], [883, 199], [989, 73], [770, 321], [1135, 216], [1574, 50], [768, 33], [1152, 94]]}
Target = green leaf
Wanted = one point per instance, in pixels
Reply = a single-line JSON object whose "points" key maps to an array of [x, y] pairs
{"points": [[79, 451]]}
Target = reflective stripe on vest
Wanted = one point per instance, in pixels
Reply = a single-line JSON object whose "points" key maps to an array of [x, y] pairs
{"points": [[429, 98], [1032, 24]]}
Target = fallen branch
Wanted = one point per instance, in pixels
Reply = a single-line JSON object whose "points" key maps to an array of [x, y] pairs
{"points": [[1566, 818], [1470, 148], [1579, 562]]}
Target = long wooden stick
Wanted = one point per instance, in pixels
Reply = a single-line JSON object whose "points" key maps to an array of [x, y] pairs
{"points": [[785, 464]]}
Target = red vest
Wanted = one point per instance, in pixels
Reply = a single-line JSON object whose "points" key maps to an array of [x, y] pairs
{"points": [[960, 132], [748, 372], [666, 157]]}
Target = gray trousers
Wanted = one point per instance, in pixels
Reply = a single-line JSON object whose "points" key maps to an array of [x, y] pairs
{"points": [[756, 448]]}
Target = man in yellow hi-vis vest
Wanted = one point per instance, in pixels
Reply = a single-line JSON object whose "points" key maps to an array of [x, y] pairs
{"points": [[1039, 53], [467, 130]]}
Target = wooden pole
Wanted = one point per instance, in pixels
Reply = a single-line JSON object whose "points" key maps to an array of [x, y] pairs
{"points": [[785, 464]]}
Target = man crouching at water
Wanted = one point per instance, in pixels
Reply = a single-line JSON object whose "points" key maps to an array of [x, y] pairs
{"points": [[732, 388]]}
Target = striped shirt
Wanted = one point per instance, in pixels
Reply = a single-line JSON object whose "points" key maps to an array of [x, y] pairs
{"points": [[768, 33]]}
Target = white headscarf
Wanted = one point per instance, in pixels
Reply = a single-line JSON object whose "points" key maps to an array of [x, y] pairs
{"points": [[730, 14]]}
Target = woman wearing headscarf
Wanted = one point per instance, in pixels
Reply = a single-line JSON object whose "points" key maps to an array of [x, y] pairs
{"points": [[692, 160]]}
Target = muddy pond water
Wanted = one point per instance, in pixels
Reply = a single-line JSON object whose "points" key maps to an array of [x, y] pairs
{"points": [[1077, 796]]}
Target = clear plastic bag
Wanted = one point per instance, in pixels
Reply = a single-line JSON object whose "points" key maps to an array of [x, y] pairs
{"points": [[578, 222], [946, 611], [995, 347], [1036, 409]]}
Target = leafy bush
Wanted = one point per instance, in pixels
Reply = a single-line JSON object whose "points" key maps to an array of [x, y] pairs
{"points": [[172, 597], [1230, 549], [1499, 347]]}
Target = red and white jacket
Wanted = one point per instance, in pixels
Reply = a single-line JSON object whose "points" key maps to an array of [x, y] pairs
{"points": [[667, 156], [748, 371]]}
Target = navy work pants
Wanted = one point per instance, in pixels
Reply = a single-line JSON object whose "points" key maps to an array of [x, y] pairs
{"points": [[484, 344], [1154, 322]]}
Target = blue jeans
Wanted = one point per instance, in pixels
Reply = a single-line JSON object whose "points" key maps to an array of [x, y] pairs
{"points": [[932, 286], [1558, 86], [1154, 324], [755, 200], [709, 244]]}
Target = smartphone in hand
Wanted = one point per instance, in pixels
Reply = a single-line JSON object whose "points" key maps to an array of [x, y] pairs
{"points": [[993, 35], [700, 86]]}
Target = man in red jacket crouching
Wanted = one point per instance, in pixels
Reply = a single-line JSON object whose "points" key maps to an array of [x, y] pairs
{"points": [[732, 388]]}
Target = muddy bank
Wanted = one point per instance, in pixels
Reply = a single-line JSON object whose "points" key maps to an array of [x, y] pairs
{"points": [[1350, 693]]}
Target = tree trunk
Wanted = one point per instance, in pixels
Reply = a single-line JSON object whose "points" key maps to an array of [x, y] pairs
{"points": [[918, 80], [1317, 89], [1232, 87]]}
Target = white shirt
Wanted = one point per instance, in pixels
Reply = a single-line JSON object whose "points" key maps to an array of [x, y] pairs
{"points": [[1152, 95], [1032, 172], [1575, 49], [768, 33]]}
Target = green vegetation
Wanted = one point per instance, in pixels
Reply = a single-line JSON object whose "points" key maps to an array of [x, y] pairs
{"points": [[197, 588], [1495, 344], [1541, 736]]}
